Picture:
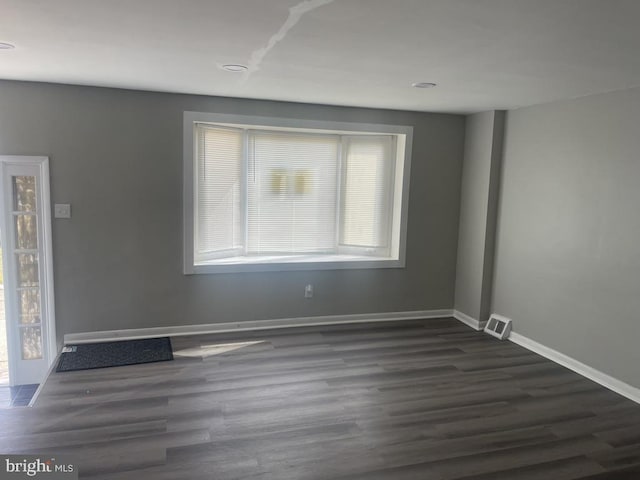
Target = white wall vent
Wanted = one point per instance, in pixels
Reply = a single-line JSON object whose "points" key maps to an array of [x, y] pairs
{"points": [[498, 326]]}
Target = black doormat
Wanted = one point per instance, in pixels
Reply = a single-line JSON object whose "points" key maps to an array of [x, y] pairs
{"points": [[115, 354]]}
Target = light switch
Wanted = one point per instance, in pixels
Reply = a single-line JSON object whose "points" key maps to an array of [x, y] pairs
{"points": [[62, 210]]}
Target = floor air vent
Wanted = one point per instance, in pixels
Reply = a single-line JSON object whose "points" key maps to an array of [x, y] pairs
{"points": [[499, 327]]}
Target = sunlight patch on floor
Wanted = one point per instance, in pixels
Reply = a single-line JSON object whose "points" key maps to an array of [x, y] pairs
{"points": [[215, 349]]}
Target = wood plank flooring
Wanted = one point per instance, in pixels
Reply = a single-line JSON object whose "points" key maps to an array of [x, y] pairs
{"points": [[426, 399]]}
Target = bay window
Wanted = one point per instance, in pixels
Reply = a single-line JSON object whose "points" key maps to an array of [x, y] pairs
{"points": [[281, 194]]}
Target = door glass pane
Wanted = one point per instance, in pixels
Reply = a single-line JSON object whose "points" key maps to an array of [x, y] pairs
{"points": [[31, 343], [24, 193], [26, 232], [29, 305], [27, 264]]}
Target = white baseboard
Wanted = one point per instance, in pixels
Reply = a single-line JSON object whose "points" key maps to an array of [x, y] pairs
{"points": [[618, 386], [464, 318], [135, 333]]}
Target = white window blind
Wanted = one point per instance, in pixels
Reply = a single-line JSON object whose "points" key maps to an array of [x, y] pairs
{"points": [[283, 194], [292, 193], [219, 219], [367, 192]]}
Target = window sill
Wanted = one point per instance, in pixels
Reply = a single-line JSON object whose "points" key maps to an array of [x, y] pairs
{"points": [[274, 263]]}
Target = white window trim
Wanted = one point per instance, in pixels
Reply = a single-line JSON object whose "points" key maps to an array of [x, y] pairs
{"points": [[332, 262]]}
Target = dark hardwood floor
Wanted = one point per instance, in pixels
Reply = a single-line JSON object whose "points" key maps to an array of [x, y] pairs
{"points": [[426, 399]]}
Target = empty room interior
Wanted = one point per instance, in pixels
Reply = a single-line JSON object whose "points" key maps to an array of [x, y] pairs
{"points": [[320, 239]]}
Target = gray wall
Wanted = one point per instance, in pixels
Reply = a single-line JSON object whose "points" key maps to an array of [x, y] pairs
{"points": [[116, 156], [478, 207], [568, 247]]}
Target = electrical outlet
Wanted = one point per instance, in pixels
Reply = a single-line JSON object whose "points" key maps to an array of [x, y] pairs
{"points": [[62, 210], [308, 291]]}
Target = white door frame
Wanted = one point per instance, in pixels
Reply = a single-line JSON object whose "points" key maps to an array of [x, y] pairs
{"points": [[38, 166]]}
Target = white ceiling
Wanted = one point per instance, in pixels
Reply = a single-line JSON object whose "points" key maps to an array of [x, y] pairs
{"points": [[483, 54]]}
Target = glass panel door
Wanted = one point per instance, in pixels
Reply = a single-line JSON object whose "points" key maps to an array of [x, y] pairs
{"points": [[25, 223]]}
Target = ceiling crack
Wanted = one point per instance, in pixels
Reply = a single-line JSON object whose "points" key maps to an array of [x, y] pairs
{"points": [[295, 14]]}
